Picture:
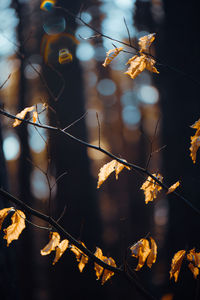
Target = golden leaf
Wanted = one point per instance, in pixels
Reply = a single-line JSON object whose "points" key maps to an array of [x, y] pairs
{"points": [[60, 249], [108, 168], [151, 188], [52, 244], [194, 270], [80, 256], [3, 214], [176, 264], [146, 41], [140, 250], [196, 125], [194, 257], [107, 274], [102, 273], [138, 64], [153, 253], [110, 55], [98, 269], [14, 230], [195, 144], [173, 187], [22, 115], [35, 116]]}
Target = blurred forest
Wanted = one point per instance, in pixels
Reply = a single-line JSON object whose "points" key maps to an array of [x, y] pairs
{"points": [[137, 117]]}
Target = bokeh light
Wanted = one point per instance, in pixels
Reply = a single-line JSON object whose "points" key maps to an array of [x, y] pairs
{"points": [[131, 116], [106, 87], [30, 73], [54, 25], [84, 52], [39, 185], [148, 94], [11, 146]]}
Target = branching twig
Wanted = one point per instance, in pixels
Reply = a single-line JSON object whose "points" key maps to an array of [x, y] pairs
{"points": [[100, 149], [73, 241]]}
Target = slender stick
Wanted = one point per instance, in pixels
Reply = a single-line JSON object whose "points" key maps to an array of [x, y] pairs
{"points": [[100, 149]]}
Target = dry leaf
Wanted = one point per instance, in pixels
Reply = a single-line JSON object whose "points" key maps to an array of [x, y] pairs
{"points": [[195, 141], [196, 125], [173, 187], [52, 244], [35, 116], [194, 257], [194, 270], [195, 144], [151, 188], [102, 273], [138, 64], [80, 257], [146, 41], [110, 55], [22, 115], [140, 250], [3, 214], [108, 168], [98, 269], [107, 274], [176, 264], [153, 253], [61, 248], [14, 230]]}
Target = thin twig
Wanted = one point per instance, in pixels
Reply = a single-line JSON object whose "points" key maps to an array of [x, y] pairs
{"points": [[1, 86], [76, 121], [100, 149], [99, 130], [74, 241], [129, 37]]}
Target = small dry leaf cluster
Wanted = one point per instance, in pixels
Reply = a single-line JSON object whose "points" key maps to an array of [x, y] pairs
{"points": [[138, 63], [144, 252], [23, 114], [107, 169], [54, 244], [151, 187], [13, 231], [194, 263], [195, 141]]}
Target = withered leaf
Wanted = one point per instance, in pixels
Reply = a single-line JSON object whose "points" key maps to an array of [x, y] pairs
{"points": [[110, 55], [80, 256], [60, 249], [194, 270], [35, 116], [153, 253], [108, 168], [14, 230], [22, 115], [173, 187], [194, 257], [138, 64], [196, 126], [151, 188], [146, 41], [102, 273], [195, 144], [52, 244], [3, 214], [176, 264], [140, 250]]}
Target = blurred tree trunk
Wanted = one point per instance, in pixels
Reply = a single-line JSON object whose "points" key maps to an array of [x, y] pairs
{"points": [[8, 278], [178, 46], [25, 264], [75, 190]]}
